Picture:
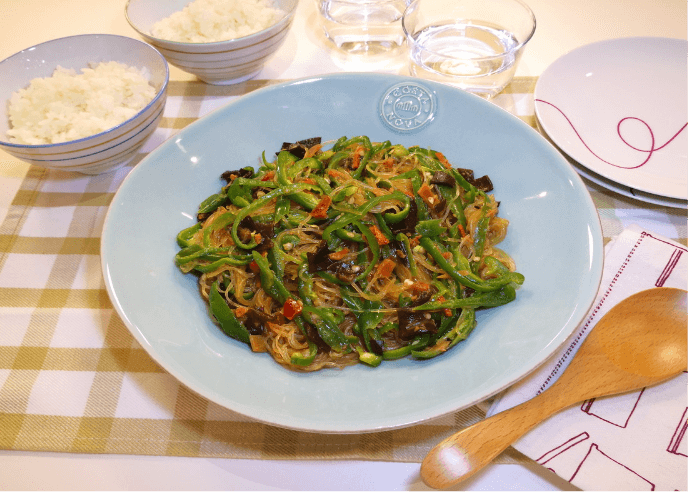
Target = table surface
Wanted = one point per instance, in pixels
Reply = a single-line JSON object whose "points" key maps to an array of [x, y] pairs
{"points": [[561, 27]]}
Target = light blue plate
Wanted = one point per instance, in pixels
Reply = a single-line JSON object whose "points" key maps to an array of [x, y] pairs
{"points": [[554, 237]]}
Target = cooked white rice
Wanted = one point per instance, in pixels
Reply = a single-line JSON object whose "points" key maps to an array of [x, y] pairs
{"points": [[207, 21], [68, 106]]}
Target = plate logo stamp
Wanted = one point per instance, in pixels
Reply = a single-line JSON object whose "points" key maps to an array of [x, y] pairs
{"points": [[408, 106]]}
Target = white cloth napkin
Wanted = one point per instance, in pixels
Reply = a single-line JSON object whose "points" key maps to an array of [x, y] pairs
{"points": [[633, 441]]}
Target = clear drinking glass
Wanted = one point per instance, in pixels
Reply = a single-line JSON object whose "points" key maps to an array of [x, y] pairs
{"points": [[364, 27], [472, 44]]}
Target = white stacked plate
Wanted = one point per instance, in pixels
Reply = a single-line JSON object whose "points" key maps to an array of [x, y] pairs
{"points": [[618, 110]]}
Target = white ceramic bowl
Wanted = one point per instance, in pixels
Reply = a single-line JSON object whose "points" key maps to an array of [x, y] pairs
{"points": [[219, 63], [103, 151]]}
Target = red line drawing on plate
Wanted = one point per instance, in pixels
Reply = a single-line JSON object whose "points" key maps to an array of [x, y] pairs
{"points": [[649, 152], [678, 440], [598, 467], [618, 413]]}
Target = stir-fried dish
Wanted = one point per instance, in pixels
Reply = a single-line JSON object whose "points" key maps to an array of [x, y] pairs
{"points": [[349, 251]]}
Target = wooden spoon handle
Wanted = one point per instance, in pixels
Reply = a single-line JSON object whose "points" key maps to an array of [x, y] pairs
{"points": [[464, 453]]}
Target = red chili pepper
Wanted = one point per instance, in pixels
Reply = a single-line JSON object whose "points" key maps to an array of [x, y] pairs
{"points": [[379, 236], [386, 267], [443, 160], [268, 176], [357, 157], [292, 308], [427, 195], [320, 210], [338, 255], [254, 266]]}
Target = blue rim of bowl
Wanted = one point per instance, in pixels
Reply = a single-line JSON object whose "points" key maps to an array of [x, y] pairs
{"points": [[284, 20], [158, 95]]}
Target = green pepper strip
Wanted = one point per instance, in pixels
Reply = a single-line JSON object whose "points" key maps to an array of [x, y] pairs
{"points": [[324, 185], [367, 315], [369, 358], [343, 194], [454, 203], [276, 259], [418, 343], [288, 190], [327, 327], [189, 251], [481, 299], [284, 160], [406, 245], [469, 280], [413, 175], [462, 327], [374, 249], [224, 315], [422, 210], [336, 157], [282, 208], [362, 139], [480, 236], [306, 284], [308, 162], [230, 260], [347, 218], [211, 203], [196, 252], [349, 235], [384, 228], [494, 267], [398, 151], [430, 228], [363, 164], [339, 142], [298, 358], [184, 236], [325, 155], [328, 277], [269, 281], [394, 217], [219, 223], [254, 183]]}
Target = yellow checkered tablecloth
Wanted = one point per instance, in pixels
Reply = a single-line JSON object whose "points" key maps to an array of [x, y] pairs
{"points": [[73, 379]]}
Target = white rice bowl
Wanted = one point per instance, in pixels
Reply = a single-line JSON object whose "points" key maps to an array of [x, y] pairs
{"points": [[208, 21], [225, 62], [97, 153], [69, 105]]}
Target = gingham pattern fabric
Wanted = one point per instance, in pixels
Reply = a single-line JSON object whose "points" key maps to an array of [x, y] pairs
{"points": [[73, 379]]}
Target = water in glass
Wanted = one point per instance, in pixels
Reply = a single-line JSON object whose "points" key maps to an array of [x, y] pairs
{"points": [[365, 26], [471, 55]]}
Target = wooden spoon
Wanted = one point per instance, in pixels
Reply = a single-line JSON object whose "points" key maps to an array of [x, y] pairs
{"points": [[639, 342]]}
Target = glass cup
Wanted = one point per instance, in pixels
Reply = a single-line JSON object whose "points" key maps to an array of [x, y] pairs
{"points": [[364, 27], [471, 44]]}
